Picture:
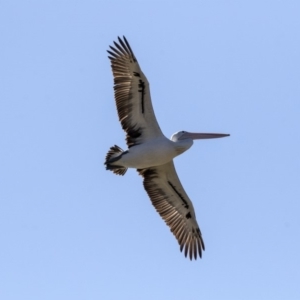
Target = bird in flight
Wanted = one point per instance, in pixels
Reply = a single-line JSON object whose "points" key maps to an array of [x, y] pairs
{"points": [[150, 152]]}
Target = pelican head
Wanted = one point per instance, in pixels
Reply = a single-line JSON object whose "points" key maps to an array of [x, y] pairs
{"points": [[183, 135]]}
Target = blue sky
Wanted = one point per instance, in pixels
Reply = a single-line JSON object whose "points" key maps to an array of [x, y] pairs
{"points": [[72, 230]]}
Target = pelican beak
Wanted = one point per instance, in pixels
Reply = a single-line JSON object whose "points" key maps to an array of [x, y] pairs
{"points": [[198, 136]]}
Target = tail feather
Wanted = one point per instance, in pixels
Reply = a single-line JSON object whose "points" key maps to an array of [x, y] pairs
{"points": [[113, 155]]}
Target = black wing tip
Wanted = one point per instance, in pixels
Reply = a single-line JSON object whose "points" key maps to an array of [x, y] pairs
{"points": [[190, 251], [124, 44], [112, 54], [124, 39]]}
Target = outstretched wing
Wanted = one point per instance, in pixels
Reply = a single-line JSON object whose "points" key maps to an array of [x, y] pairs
{"points": [[174, 206], [132, 95]]}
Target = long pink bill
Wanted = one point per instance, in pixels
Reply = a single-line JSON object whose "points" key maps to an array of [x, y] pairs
{"points": [[198, 136]]}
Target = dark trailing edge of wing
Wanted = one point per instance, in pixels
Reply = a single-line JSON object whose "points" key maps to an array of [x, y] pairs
{"points": [[142, 91], [179, 195]]}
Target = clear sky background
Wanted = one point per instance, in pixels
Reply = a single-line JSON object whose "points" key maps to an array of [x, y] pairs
{"points": [[69, 229]]}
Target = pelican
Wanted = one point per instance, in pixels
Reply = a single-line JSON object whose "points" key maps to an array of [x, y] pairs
{"points": [[150, 152]]}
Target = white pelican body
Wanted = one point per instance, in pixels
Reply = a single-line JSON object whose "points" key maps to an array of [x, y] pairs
{"points": [[150, 152], [153, 153]]}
